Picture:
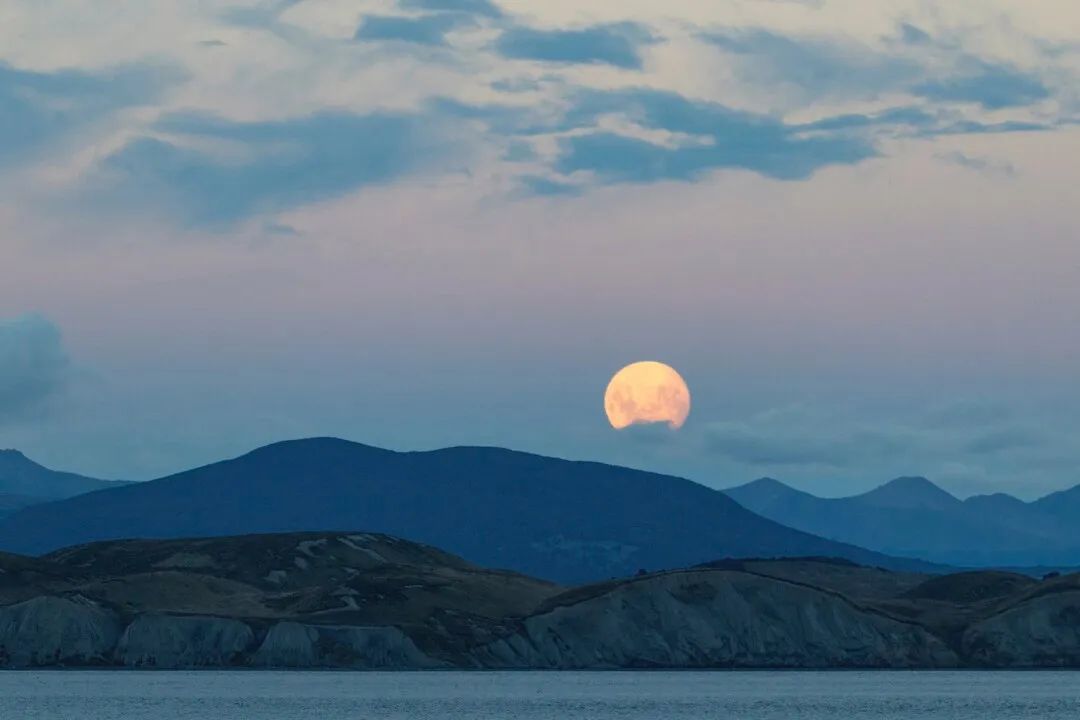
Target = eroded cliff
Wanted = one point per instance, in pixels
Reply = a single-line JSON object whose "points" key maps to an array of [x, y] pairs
{"points": [[365, 601]]}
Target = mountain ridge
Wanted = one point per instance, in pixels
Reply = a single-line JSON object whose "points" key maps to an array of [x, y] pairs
{"points": [[913, 516], [564, 520]]}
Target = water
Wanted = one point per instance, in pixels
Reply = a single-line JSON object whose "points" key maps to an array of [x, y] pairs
{"points": [[111, 695]]}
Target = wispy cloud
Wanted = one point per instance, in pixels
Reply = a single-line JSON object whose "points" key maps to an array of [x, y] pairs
{"points": [[819, 66], [262, 14], [824, 67], [424, 30], [989, 85], [484, 8], [337, 137], [1003, 440], [979, 164], [41, 110], [617, 44], [914, 35], [707, 136], [541, 186], [757, 443], [642, 135], [212, 171], [918, 122]]}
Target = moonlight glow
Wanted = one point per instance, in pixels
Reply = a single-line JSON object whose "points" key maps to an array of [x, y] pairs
{"points": [[647, 392]]}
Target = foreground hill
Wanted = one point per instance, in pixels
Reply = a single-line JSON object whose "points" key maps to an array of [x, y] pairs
{"points": [[360, 600], [566, 521], [913, 517], [23, 482], [295, 600]]}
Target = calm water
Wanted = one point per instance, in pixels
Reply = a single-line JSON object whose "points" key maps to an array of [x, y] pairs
{"points": [[538, 696]]}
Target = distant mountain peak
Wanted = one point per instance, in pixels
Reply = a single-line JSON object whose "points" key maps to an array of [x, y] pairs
{"points": [[768, 482], [317, 443], [21, 476], [302, 448], [14, 460], [910, 492], [998, 498], [765, 492], [765, 484], [911, 481]]}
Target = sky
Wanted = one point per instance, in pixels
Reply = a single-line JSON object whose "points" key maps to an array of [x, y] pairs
{"points": [[850, 224]]}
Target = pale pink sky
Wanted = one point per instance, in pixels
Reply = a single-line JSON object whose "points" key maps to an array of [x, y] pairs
{"points": [[247, 225]]}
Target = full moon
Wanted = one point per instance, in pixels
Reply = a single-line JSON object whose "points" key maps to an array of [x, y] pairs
{"points": [[647, 392]]}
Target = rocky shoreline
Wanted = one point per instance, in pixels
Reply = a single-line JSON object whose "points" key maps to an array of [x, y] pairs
{"points": [[363, 601]]}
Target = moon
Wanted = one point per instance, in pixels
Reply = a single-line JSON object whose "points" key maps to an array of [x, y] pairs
{"points": [[647, 392]]}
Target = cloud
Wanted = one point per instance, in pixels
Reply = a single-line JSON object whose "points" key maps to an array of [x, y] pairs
{"points": [[753, 445], [264, 14], [425, 30], [218, 172], [280, 229], [917, 122], [519, 151], [504, 121], [213, 171], [546, 187], [1002, 440], [517, 85], [38, 110], [913, 118], [820, 66], [484, 8], [268, 16], [979, 164], [617, 44], [642, 135], [710, 136], [33, 364], [991, 86], [845, 68], [968, 414], [974, 127], [914, 35]]}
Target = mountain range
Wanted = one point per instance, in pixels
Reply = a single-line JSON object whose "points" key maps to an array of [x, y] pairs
{"points": [[295, 555], [913, 517], [564, 521]]}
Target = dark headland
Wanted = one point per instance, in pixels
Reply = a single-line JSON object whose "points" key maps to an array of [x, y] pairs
{"points": [[368, 601]]}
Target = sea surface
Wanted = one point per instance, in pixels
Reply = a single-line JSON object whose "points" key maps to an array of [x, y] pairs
{"points": [[210, 695]]}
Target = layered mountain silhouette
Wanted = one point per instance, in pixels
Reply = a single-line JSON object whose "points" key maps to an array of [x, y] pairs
{"points": [[23, 483], [554, 519], [913, 517]]}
